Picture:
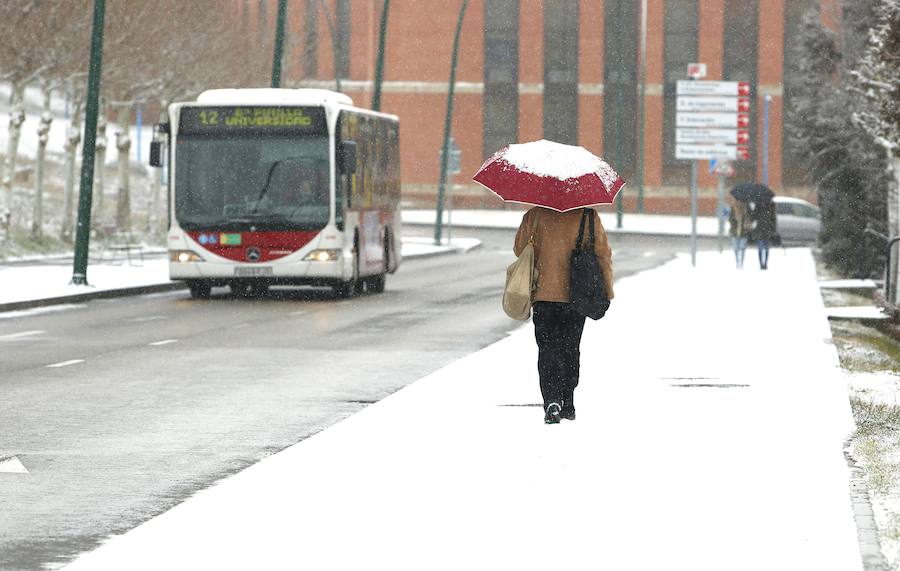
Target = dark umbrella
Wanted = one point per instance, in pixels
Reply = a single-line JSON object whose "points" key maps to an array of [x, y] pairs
{"points": [[752, 192]]}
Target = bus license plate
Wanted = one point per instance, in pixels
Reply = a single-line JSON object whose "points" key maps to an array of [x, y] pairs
{"points": [[253, 272]]}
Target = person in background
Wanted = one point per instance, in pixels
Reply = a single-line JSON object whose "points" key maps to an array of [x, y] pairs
{"points": [[740, 225], [557, 327], [765, 230]]}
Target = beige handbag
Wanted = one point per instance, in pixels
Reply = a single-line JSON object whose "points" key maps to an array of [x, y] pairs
{"points": [[521, 281]]}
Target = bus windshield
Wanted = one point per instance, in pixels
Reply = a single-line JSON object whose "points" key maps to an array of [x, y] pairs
{"points": [[265, 182]]}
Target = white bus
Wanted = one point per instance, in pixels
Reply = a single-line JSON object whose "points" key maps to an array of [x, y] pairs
{"points": [[281, 186]]}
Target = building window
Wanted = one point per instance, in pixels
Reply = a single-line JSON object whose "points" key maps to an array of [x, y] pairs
{"points": [[793, 173], [680, 37], [501, 75], [342, 31], [739, 56], [620, 35], [561, 71]]}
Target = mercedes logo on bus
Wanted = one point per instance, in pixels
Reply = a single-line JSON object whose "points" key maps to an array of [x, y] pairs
{"points": [[253, 254]]}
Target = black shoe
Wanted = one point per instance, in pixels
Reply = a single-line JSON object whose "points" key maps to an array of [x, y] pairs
{"points": [[567, 413], [552, 414]]}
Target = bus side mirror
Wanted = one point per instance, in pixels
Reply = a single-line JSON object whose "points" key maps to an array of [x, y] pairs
{"points": [[348, 157], [156, 154]]}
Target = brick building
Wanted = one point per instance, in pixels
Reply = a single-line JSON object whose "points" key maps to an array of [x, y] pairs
{"points": [[566, 70]]}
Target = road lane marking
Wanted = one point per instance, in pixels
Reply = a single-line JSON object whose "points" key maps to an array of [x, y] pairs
{"points": [[20, 335], [65, 363], [163, 342], [40, 310], [148, 318], [12, 465], [301, 312]]}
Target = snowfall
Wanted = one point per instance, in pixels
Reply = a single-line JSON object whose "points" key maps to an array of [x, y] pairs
{"points": [[712, 416], [712, 420]]}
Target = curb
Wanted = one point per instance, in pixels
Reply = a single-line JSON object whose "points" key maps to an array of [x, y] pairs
{"points": [[102, 294]]}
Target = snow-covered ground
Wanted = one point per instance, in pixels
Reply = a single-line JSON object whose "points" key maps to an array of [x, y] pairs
{"points": [[712, 415], [28, 142]]}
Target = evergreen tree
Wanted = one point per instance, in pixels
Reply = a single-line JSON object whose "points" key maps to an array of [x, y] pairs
{"points": [[876, 82], [847, 167]]}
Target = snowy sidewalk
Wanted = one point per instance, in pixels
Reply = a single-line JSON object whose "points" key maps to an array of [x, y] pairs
{"points": [[649, 224], [711, 421], [23, 285]]}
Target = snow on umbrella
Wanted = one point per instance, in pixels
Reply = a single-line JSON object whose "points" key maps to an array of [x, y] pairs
{"points": [[549, 174], [752, 192]]}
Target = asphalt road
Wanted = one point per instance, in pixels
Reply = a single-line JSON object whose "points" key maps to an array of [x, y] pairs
{"points": [[122, 408]]}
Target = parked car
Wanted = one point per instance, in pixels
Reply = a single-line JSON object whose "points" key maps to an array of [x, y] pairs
{"points": [[798, 220]]}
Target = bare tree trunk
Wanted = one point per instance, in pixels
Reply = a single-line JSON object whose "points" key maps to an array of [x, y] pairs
{"points": [[123, 145], [37, 222], [73, 140], [16, 118], [100, 169]]}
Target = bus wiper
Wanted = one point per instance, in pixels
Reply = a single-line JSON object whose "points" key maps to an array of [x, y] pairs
{"points": [[265, 188]]}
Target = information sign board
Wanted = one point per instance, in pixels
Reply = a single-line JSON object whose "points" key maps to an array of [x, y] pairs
{"points": [[713, 103], [704, 135], [724, 120], [733, 88], [701, 152]]}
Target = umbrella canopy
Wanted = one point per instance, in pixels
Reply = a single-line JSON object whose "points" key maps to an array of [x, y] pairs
{"points": [[752, 192], [549, 174]]}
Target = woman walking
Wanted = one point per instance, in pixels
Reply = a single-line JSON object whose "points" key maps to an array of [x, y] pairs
{"points": [[740, 225], [557, 327], [766, 230]]}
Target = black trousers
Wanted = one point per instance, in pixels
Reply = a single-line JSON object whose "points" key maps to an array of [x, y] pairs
{"points": [[557, 330]]}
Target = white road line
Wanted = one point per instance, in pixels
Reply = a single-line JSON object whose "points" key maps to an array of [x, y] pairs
{"points": [[148, 318], [65, 363], [163, 342], [298, 312], [20, 335]]}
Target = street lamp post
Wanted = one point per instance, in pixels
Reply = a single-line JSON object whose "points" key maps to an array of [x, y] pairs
{"points": [[445, 153], [83, 228], [379, 61], [640, 117], [620, 93], [279, 43], [335, 44]]}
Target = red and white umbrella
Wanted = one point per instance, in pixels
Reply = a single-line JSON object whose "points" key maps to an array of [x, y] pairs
{"points": [[549, 174]]}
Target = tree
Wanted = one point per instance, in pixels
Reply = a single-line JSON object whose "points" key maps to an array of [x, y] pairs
{"points": [[876, 79], [42, 41], [846, 166]]}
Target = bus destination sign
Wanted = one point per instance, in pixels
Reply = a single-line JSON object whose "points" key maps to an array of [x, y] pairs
{"points": [[210, 120]]}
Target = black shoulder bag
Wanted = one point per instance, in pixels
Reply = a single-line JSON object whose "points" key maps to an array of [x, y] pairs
{"points": [[587, 289]]}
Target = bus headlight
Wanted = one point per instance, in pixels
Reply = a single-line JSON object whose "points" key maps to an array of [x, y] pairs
{"points": [[184, 256], [323, 256]]}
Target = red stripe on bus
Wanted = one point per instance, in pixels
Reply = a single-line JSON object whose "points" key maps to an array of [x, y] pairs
{"points": [[271, 245]]}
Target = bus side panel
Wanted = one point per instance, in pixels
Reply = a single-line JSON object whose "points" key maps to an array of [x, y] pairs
{"points": [[371, 195]]}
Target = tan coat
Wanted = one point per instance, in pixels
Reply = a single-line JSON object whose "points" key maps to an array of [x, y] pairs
{"points": [[554, 238]]}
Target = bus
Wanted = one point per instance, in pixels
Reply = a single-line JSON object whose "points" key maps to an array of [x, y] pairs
{"points": [[280, 187]]}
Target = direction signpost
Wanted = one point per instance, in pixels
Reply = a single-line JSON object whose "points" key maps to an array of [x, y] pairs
{"points": [[712, 124]]}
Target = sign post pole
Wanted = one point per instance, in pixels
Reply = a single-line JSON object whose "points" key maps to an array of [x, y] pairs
{"points": [[720, 211], [694, 213], [85, 194], [712, 123]]}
